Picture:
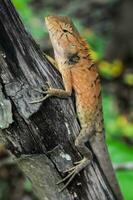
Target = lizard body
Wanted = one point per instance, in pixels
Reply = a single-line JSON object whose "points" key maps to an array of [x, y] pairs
{"points": [[80, 74]]}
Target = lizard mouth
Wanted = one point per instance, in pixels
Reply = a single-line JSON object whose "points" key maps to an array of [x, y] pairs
{"points": [[51, 23]]}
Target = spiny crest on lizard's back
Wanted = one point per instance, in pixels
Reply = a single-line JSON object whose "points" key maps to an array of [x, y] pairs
{"points": [[85, 45]]}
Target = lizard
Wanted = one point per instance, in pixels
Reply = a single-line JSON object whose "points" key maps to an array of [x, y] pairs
{"points": [[80, 74]]}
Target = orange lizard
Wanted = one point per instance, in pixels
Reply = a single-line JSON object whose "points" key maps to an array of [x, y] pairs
{"points": [[79, 73]]}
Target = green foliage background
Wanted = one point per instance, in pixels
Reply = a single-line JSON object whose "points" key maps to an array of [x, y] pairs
{"points": [[116, 124]]}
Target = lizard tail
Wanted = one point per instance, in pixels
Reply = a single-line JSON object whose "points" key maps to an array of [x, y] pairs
{"points": [[100, 150]]}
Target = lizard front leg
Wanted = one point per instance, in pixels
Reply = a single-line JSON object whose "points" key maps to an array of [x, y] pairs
{"points": [[52, 92], [58, 92], [66, 76], [67, 80]]}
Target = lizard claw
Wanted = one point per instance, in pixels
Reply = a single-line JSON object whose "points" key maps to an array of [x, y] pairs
{"points": [[40, 100], [78, 162], [39, 90], [70, 176], [69, 170], [73, 171], [42, 92]]}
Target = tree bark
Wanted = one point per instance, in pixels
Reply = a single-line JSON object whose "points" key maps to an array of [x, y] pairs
{"points": [[43, 133]]}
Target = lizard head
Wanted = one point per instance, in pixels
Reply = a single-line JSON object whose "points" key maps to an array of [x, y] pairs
{"points": [[65, 38], [61, 29]]}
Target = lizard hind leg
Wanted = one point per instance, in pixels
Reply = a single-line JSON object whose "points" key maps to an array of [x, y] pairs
{"points": [[80, 141]]}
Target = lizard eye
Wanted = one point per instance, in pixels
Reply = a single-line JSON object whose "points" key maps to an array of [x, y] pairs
{"points": [[65, 31]]}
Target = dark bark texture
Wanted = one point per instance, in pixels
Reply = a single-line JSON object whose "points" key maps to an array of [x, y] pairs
{"points": [[43, 133]]}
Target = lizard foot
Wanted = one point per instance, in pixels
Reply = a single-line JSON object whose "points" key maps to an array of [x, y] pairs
{"points": [[42, 92], [71, 168], [73, 171]]}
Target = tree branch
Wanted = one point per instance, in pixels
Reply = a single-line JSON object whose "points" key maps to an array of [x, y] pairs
{"points": [[50, 126]]}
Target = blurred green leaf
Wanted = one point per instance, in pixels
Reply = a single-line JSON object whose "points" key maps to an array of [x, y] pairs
{"points": [[110, 114], [28, 186], [96, 43], [32, 21], [119, 151], [110, 70], [128, 79], [126, 183], [116, 125]]}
